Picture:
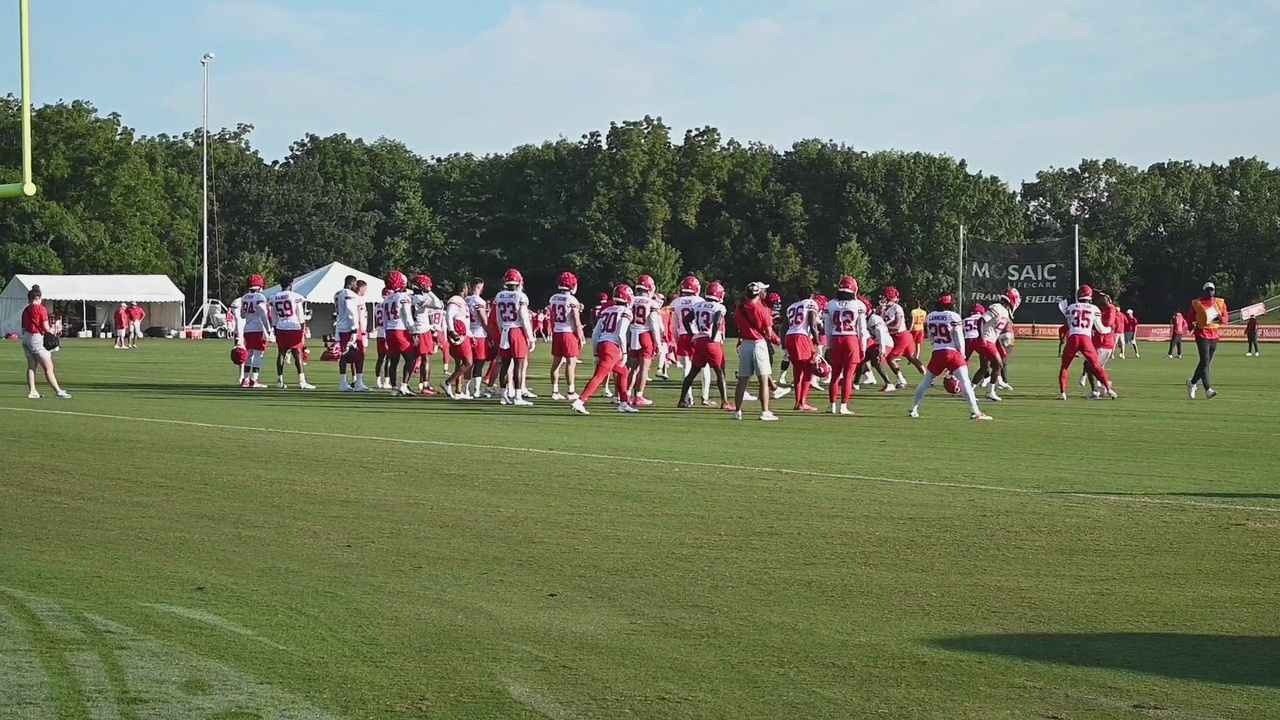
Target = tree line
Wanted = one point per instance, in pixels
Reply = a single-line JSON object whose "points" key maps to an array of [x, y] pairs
{"points": [[614, 204]]}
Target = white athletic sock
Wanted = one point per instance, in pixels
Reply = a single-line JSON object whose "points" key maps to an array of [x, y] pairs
{"points": [[706, 383], [927, 383], [302, 378], [966, 386]]}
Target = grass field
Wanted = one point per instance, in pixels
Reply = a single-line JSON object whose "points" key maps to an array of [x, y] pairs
{"points": [[174, 547]]}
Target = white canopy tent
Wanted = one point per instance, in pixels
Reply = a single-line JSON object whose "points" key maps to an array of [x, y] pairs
{"points": [[319, 287], [158, 296]]}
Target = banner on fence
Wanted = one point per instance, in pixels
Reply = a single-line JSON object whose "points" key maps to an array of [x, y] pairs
{"points": [[1039, 269], [1153, 333]]}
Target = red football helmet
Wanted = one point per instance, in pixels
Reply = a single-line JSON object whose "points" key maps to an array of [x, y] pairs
{"points": [[306, 355], [647, 283], [422, 281], [822, 302], [239, 355], [978, 309], [1086, 293], [623, 293], [871, 307], [946, 300], [256, 281], [690, 285], [716, 290], [849, 284], [1014, 297], [512, 277], [568, 281], [891, 294], [821, 368], [772, 298], [396, 281], [951, 385], [603, 299]]}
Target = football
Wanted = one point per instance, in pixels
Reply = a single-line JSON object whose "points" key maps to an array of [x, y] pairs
{"points": [[952, 385]]}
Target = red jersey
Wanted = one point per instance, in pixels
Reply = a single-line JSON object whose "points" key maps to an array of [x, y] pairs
{"points": [[754, 320], [34, 318], [122, 318], [137, 313]]}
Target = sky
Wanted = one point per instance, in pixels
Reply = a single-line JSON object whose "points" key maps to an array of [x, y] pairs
{"points": [[1011, 86]]}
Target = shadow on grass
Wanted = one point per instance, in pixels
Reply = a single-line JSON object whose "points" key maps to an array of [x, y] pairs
{"points": [[1227, 659]]}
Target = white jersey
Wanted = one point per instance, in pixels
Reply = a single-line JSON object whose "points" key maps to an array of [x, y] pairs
{"points": [[681, 308], [945, 330], [512, 307], [879, 332], [457, 315], [1083, 318], [799, 316], [994, 322], [477, 328], [845, 317], [645, 318], [973, 327], [895, 318], [425, 309], [254, 307], [348, 306], [708, 320], [287, 311], [563, 307], [613, 324], [397, 312]]}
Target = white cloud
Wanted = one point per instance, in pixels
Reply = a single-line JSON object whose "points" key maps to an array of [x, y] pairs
{"points": [[975, 79]]}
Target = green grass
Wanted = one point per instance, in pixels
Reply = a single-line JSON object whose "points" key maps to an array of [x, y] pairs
{"points": [[278, 554]]}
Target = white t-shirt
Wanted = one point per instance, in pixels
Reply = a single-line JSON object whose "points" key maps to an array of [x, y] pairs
{"points": [[397, 311], [895, 318], [425, 306], [845, 317], [644, 318], [798, 316], [457, 315], [945, 330], [880, 332], [254, 307], [708, 320], [563, 306], [477, 329], [1083, 318], [994, 322], [681, 308], [348, 306], [287, 311], [614, 321]]}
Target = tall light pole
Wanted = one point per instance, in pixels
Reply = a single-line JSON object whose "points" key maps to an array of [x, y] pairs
{"points": [[204, 125]]}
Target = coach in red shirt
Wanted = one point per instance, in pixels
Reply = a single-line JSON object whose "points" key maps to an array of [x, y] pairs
{"points": [[755, 329]]}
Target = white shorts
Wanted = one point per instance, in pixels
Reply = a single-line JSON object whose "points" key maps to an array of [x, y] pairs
{"points": [[753, 359], [120, 333], [33, 345]]}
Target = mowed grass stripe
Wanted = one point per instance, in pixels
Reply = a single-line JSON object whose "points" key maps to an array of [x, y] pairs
{"points": [[721, 467]]}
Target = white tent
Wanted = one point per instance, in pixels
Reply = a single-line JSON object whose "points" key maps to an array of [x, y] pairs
{"points": [[158, 296], [320, 286]]}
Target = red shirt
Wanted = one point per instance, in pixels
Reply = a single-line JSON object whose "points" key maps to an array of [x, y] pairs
{"points": [[122, 318], [34, 318], [137, 313], [1179, 325], [1130, 323], [754, 320], [1251, 327]]}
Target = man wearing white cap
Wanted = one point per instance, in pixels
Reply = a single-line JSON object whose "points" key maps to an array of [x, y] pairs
{"points": [[755, 329]]}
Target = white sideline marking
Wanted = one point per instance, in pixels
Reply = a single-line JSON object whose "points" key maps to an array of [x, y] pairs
{"points": [[659, 461], [212, 620], [539, 704]]}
